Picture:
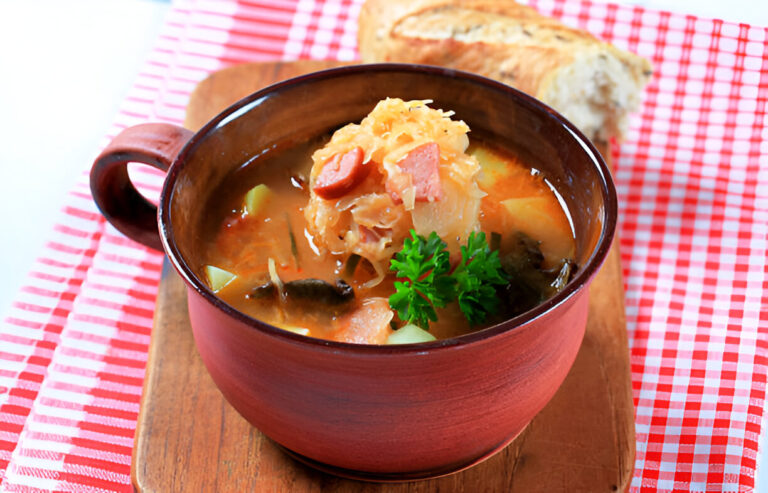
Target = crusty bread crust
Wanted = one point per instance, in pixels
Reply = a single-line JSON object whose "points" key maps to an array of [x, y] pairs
{"points": [[516, 45]]}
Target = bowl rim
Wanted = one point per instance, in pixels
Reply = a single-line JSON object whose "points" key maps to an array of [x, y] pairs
{"points": [[579, 282]]}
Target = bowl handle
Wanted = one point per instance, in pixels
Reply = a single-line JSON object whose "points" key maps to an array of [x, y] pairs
{"points": [[155, 144]]}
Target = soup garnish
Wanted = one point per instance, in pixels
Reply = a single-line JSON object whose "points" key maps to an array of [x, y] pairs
{"points": [[431, 284], [394, 230]]}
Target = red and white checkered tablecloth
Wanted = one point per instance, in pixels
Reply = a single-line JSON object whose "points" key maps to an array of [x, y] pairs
{"points": [[693, 183]]}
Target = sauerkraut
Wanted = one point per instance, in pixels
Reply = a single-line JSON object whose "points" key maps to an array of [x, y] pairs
{"points": [[374, 216]]}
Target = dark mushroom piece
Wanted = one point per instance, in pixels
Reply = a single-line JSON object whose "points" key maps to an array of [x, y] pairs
{"points": [[320, 291], [531, 284], [315, 291]]}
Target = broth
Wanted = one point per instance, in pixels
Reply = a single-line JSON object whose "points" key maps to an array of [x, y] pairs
{"points": [[519, 205]]}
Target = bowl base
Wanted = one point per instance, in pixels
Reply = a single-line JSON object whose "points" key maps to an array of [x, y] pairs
{"points": [[397, 477]]}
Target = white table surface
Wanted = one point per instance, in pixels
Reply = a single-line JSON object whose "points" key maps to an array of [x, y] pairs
{"points": [[67, 65]]}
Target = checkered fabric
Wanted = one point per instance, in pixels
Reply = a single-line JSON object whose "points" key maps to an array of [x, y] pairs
{"points": [[692, 179]]}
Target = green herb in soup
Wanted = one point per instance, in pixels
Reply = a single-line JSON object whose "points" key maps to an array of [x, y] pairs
{"points": [[393, 230], [433, 284]]}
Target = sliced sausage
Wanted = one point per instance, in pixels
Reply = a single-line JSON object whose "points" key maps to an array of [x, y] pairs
{"points": [[341, 173], [367, 324], [422, 163]]}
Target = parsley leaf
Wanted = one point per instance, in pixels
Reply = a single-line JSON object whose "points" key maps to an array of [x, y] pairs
{"points": [[425, 263], [477, 274]]}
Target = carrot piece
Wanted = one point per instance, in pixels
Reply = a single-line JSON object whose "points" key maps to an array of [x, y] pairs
{"points": [[341, 173]]}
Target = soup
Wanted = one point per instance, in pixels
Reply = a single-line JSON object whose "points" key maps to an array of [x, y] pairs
{"points": [[321, 238]]}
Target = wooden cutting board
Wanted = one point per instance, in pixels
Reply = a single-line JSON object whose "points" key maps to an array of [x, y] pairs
{"points": [[188, 438]]}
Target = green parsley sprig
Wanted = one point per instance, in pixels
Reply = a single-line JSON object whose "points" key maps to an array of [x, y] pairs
{"points": [[477, 274], [424, 262]]}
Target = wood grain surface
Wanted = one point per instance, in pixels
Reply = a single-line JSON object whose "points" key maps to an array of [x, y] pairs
{"points": [[189, 439]]}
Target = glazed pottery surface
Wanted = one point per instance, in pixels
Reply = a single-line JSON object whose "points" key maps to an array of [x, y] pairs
{"points": [[370, 412]]}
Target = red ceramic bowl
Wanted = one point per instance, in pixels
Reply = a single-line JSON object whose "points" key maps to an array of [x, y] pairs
{"points": [[363, 411]]}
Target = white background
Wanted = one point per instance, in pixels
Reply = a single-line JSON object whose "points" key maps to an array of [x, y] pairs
{"points": [[65, 66]]}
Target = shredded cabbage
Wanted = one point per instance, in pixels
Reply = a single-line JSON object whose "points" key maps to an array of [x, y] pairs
{"points": [[369, 221]]}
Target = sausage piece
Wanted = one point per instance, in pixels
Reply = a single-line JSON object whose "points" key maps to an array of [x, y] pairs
{"points": [[367, 324], [422, 163], [341, 173]]}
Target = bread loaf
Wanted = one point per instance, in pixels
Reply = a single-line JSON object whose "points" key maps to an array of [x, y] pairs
{"points": [[592, 83]]}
